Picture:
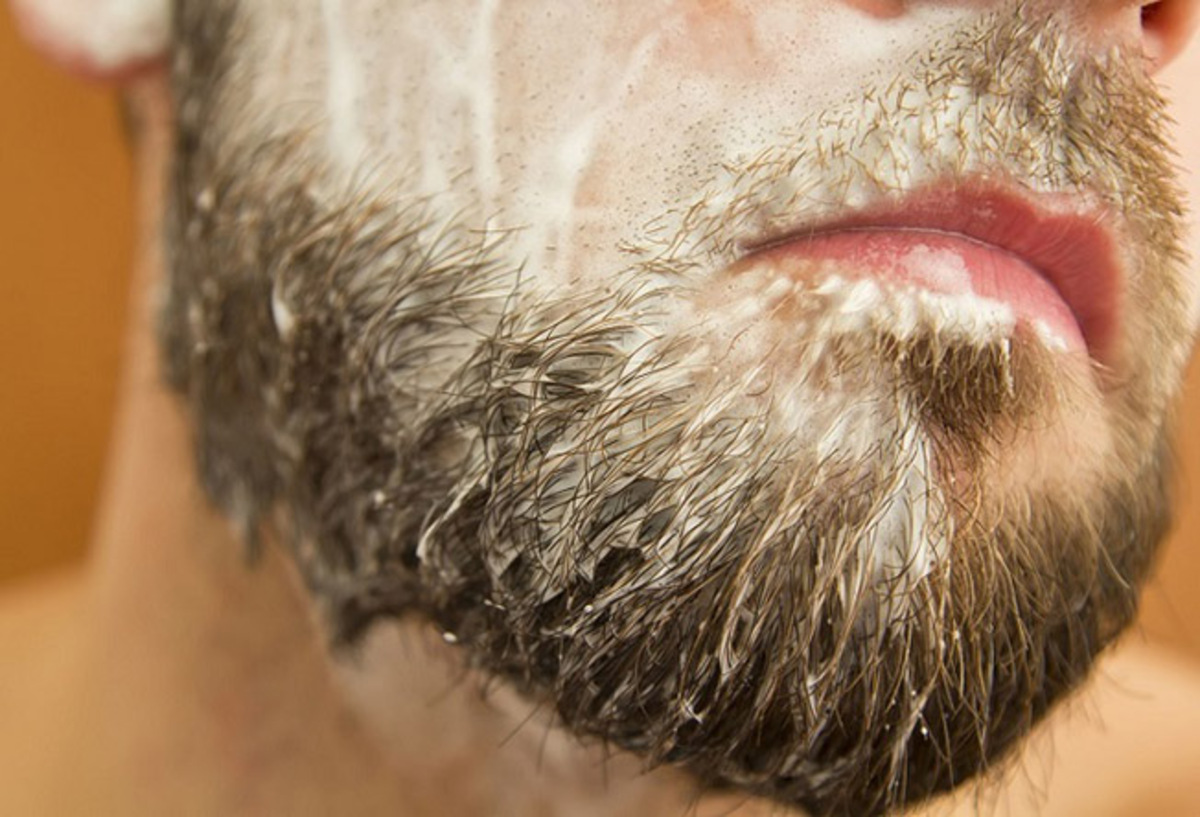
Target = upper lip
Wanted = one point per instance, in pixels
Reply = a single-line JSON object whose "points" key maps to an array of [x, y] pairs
{"points": [[1074, 251]]}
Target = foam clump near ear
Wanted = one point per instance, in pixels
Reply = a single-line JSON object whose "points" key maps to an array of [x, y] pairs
{"points": [[101, 39]]}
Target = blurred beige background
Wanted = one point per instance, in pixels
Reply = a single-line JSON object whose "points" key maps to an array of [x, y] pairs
{"points": [[66, 242]]}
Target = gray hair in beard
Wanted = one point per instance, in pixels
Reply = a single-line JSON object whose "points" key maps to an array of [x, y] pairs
{"points": [[570, 496]]}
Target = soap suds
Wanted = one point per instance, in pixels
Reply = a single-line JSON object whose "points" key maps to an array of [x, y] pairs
{"points": [[943, 270], [343, 91]]}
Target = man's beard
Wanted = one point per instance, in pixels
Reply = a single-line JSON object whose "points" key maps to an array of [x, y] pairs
{"points": [[632, 535]]}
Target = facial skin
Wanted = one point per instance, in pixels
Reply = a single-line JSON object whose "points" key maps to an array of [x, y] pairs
{"points": [[509, 315]]}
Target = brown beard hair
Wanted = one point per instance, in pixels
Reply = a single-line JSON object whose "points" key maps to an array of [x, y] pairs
{"points": [[430, 441]]}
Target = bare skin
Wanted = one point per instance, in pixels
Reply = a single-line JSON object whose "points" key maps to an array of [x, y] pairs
{"points": [[166, 677]]}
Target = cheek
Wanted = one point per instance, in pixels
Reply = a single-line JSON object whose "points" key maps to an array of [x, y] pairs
{"points": [[632, 116], [606, 127], [710, 37], [583, 123]]}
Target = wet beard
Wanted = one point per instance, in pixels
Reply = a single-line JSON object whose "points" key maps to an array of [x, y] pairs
{"points": [[681, 580], [631, 535]]}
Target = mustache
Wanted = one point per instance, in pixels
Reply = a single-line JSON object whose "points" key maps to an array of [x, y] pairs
{"points": [[1010, 98], [557, 482]]}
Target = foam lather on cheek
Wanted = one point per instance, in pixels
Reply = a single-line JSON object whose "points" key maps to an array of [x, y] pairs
{"points": [[344, 88], [496, 113], [98, 36]]}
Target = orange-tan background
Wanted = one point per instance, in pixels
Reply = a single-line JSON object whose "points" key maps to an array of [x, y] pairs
{"points": [[65, 248]]}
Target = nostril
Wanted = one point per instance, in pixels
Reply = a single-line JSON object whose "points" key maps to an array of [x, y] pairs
{"points": [[1156, 18], [1152, 15], [1167, 25]]}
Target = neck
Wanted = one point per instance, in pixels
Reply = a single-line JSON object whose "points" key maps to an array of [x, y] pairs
{"points": [[204, 677], [204, 681]]}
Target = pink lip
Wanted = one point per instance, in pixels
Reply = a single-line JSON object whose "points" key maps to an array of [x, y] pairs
{"points": [[1055, 267]]}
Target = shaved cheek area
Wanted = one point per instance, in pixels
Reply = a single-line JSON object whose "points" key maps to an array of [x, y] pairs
{"points": [[572, 125]]}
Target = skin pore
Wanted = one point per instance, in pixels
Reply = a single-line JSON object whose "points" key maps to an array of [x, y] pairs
{"points": [[246, 645]]}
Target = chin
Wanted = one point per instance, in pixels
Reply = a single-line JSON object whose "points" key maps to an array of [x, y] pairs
{"points": [[811, 581]]}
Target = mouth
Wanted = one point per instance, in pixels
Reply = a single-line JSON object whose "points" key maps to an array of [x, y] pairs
{"points": [[1050, 264]]}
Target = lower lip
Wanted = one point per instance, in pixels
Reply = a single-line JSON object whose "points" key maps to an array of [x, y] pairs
{"points": [[943, 263]]}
